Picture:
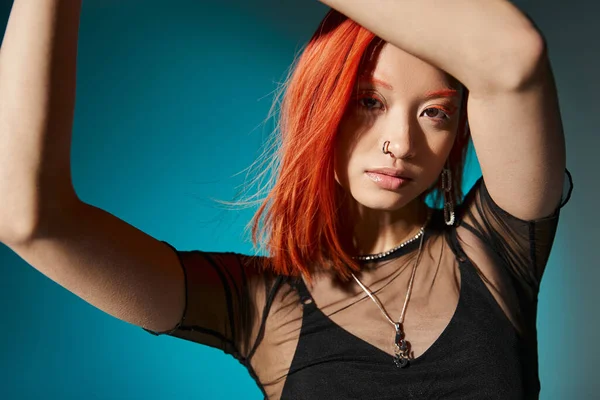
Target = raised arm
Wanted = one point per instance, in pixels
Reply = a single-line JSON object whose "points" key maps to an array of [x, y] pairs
{"points": [[497, 53], [93, 254]]}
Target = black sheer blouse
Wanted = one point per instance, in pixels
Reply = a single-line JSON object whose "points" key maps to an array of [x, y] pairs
{"points": [[471, 319]]}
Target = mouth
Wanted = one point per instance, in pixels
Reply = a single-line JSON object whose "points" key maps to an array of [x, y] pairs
{"points": [[391, 172], [388, 179]]}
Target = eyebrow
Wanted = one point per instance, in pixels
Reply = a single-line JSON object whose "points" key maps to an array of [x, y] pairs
{"points": [[374, 81], [446, 92], [442, 93]]}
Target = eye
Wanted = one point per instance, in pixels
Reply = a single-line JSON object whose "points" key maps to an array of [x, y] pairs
{"points": [[437, 113], [370, 103]]}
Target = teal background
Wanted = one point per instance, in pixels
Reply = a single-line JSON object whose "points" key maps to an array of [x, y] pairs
{"points": [[172, 99]]}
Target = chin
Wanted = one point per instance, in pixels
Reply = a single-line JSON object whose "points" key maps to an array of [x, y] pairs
{"points": [[385, 202]]}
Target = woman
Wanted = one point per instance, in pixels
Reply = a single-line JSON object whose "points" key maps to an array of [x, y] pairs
{"points": [[367, 291]]}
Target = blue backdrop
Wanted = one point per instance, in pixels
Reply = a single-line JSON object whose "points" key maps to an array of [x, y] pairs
{"points": [[171, 102]]}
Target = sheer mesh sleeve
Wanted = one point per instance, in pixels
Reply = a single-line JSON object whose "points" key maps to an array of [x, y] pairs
{"points": [[222, 298], [522, 247]]}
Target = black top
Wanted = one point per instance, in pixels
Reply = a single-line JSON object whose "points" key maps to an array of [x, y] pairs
{"points": [[471, 318], [478, 355]]}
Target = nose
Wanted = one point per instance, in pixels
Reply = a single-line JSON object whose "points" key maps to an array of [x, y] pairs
{"points": [[399, 142]]}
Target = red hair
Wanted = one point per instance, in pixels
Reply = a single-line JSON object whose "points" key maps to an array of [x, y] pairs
{"points": [[300, 221]]}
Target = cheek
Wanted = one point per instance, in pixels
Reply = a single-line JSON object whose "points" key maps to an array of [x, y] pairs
{"points": [[341, 158], [433, 163], [351, 136], [440, 142], [442, 146]]}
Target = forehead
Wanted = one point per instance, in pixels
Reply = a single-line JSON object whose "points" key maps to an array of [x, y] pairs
{"points": [[406, 73]]}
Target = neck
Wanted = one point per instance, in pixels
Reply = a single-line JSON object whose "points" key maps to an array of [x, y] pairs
{"points": [[377, 231]]}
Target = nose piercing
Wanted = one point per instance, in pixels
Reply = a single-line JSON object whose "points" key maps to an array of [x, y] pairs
{"points": [[385, 148]]}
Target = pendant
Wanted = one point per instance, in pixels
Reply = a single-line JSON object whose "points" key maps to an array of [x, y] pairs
{"points": [[400, 362], [400, 348]]}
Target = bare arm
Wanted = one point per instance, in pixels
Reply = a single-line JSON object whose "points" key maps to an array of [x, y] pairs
{"points": [[100, 258], [492, 48], [37, 96], [474, 41]]}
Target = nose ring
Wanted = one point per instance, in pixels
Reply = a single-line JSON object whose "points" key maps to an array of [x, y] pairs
{"points": [[385, 148]]}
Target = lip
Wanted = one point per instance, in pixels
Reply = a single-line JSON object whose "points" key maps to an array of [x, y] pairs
{"points": [[391, 180], [393, 172]]}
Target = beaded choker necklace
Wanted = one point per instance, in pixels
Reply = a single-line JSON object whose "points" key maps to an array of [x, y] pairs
{"points": [[388, 252]]}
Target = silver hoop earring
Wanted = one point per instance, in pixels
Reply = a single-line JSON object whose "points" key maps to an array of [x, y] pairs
{"points": [[449, 216]]}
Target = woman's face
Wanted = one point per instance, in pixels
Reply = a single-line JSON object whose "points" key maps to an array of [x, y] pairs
{"points": [[415, 107]]}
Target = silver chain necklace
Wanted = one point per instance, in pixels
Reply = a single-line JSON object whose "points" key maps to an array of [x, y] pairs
{"points": [[401, 346]]}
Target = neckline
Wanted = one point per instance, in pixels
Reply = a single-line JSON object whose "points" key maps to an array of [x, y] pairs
{"points": [[382, 353], [311, 306]]}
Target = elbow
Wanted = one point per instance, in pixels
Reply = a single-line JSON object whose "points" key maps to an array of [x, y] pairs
{"points": [[534, 61], [520, 62], [23, 228], [18, 232], [523, 64]]}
